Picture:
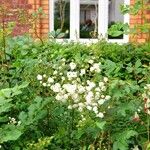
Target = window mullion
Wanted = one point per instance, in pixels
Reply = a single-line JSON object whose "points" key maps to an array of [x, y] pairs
{"points": [[74, 19], [103, 18]]}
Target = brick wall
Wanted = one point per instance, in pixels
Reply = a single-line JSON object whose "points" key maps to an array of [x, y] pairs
{"points": [[137, 20], [43, 25], [10, 14]]}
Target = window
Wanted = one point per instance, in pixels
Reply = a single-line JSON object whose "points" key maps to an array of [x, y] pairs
{"points": [[87, 19], [62, 16]]}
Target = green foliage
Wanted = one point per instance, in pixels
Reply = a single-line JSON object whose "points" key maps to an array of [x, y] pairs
{"points": [[140, 7], [118, 29], [35, 112], [38, 121], [41, 144], [9, 132], [122, 139], [56, 34]]}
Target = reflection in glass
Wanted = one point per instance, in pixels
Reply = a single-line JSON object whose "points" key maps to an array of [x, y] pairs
{"points": [[115, 14], [88, 19], [62, 16]]}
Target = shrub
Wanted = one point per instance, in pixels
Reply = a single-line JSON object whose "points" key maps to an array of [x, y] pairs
{"points": [[78, 96]]}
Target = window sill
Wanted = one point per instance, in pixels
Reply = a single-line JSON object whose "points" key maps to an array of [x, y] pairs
{"points": [[90, 41]]}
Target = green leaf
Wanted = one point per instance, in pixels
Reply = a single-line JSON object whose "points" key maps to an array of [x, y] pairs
{"points": [[118, 29], [6, 93], [9, 133], [148, 146], [79, 134], [3, 119], [5, 108], [120, 146], [121, 139], [101, 125], [138, 64], [3, 101]]}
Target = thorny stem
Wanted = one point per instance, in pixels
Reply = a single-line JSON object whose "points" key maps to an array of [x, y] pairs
{"points": [[37, 35]]}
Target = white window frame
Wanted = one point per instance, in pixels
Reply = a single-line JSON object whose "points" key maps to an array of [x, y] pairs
{"points": [[75, 21]]}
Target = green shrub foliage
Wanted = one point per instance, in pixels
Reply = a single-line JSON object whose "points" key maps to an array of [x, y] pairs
{"points": [[72, 96]]}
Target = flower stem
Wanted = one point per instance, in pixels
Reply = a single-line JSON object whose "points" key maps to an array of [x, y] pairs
{"points": [[148, 130]]}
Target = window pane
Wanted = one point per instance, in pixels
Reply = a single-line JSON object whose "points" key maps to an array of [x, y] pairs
{"points": [[62, 16], [88, 18], [115, 14]]}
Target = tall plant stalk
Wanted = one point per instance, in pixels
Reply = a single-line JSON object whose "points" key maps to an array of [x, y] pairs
{"points": [[4, 40], [62, 7]]}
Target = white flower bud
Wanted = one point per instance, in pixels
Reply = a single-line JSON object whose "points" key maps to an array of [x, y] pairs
{"points": [[107, 97], [105, 79], [55, 72], [81, 89], [72, 66], [69, 107], [101, 84], [92, 69], [50, 80], [75, 106], [81, 105], [39, 77], [102, 96], [80, 109], [62, 78], [90, 61], [58, 97], [44, 84], [74, 96], [65, 96], [101, 101], [95, 109], [44, 75], [100, 115], [89, 107], [82, 72]]}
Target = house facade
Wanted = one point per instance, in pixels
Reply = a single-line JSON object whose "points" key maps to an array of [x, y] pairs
{"points": [[84, 19]]}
